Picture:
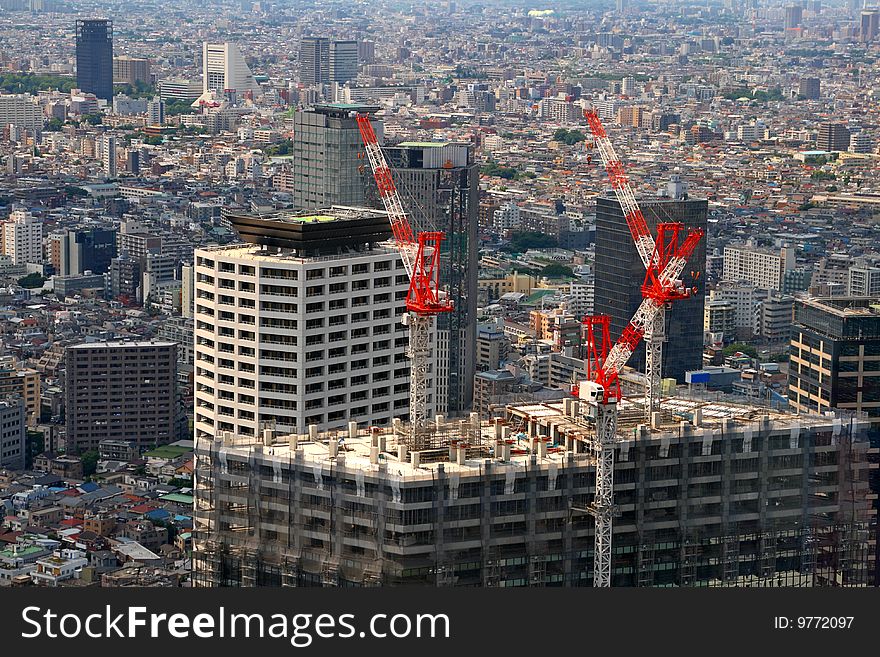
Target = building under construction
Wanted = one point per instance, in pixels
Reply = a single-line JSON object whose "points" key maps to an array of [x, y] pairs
{"points": [[714, 494]]}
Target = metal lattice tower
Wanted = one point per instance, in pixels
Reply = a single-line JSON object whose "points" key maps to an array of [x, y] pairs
{"points": [[421, 259], [664, 261]]}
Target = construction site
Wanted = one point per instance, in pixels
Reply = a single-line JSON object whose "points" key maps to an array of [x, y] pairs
{"points": [[594, 490], [714, 495]]}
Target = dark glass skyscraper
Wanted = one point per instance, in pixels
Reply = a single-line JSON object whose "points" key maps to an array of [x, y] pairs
{"points": [[439, 186], [620, 274], [328, 157], [94, 57]]}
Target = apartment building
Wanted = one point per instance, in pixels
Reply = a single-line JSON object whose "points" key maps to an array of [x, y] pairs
{"points": [[23, 238], [864, 281], [25, 383], [21, 111], [301, 325], [120, 390], [762, 267]]}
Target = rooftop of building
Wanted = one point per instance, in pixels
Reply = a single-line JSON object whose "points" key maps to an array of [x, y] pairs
{"points": [[321, 231], [113, 344], [845, 306], [370, 449]]}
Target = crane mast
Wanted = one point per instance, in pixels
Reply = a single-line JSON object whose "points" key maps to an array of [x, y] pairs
{"points": [[664, 260], [424, 299]]}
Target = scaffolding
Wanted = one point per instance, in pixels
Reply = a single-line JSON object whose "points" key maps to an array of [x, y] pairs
{"points": [[496, 504]]}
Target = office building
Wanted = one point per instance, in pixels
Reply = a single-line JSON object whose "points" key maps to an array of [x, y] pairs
{"points": [[620, 274], [87, 249], [120, 391], [156, 111], [367, 52], [763, 268], [180, 89], [343, 61], [794, 16], [94, 57], [832, 137], [301, 326], [810, 88], [21, 111], [314, 61], [864, 281], [835, 355], [131, 70], [67, 286], [23, 238], [718, 502], [869, 25], [224, 69], [441, 180], [329, 163], [13, 436]]}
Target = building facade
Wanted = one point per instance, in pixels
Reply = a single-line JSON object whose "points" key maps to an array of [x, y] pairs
{"points": [[21, 111], [120, 391], [94, 57], [620, 274], [13, 440], [314, 61], [439, 183], [23, 238], [224, 69], [832, 137], [343, 61], [764, 268], [722, 504], [131, 70], [304, 336], [330, 166], [835, 355]]}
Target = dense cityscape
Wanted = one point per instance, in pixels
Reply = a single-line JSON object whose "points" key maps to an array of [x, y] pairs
{"points": [[449, 294]]}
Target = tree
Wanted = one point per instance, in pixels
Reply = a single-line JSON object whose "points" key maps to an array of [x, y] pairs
{"points": [[89, 462], [93, 119], [530, 240], [54, 124], [748, 349], [32, 281], [175, 106], [281, 148], [569, 137], [556, 270]]}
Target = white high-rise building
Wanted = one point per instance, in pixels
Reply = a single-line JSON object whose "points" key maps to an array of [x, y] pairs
{"points": [[223, 68], [21, 111], [763, 268], [302, 326], [746, 299], [23, 238], [864, 281], [108, 155], [155, 111]]}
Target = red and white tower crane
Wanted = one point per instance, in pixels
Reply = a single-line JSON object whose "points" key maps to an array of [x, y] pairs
{"points": [[664, 259], [421, 259]]}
